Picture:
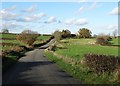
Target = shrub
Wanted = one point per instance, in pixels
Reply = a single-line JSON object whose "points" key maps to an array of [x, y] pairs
{"points": [[17, 49], [66, 33], [108, 38], [57, 36], [4, 54], [101, 63], [116, 75], [101, 40], [84, 33], [28, 39]]}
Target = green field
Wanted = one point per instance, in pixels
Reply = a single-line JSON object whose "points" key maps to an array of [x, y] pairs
{"points": [[75, 49], [11, 41], [7, 35], [8, 42]]}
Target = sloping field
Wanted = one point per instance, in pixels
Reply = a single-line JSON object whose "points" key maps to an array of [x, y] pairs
{"points": [[70, 57]]}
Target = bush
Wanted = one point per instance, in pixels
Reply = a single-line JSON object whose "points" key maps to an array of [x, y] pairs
{"points": [[101, 63], [57, 36], [4, 54], [101, 40], [17, 49], [28, 39], [84, 33], [108, 38], [66, 33]]}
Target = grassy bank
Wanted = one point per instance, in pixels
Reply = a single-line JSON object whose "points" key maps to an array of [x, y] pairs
{"points": [[74, 50], [13, 49]]}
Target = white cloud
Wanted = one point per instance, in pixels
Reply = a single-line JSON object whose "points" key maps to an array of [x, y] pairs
{"points": [[94, 5], [81, 9], [41, 15], [86, 6], [108, 27], [31, 18], [51, 19], [82, 1], [10, 8], [6, 15], [10, 25], [70, 21], [115, 11], [30, 9], [81, 21], [111, 27]]}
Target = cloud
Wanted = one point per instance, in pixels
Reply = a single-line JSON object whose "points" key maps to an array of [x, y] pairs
{"points": [[81, 9], [51, 19], [82, 1], [115, 11], [94, 5], [30, 9], [10, 25], [6, 15], [10, 8], [111, 27], [31, 18], [70, 21], [108, 27], [81, 21], [86, 6], [41, 15]]}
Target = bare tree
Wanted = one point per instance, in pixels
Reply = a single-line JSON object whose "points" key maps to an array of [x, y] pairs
{"points": [[5, 31], [28, 37], [29, 32], [57, 35]]}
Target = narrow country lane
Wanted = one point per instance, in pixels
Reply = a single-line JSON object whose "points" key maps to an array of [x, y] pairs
{"points": [[34, 69]]}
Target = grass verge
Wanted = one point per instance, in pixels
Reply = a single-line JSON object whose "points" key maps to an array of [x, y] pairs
{"points": [[82, 73]]}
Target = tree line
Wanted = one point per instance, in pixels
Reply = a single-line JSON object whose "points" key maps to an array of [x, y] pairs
{"points": [[29, 37]]}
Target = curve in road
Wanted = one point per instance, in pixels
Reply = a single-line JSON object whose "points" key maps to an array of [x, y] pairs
{"points": [[34, 69]]}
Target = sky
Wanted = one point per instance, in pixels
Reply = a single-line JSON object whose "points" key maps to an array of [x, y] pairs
{"points": [[46, 17]]}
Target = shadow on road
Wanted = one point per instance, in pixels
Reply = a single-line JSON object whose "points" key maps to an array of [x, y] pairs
{"points": [[33, 73], [24, 73]]}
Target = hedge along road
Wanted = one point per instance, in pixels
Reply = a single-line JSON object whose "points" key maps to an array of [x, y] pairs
{"points": [[34, 69]]}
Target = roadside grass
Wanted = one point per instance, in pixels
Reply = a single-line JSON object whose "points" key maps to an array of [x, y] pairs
{"points": [[75, 49], [8, 42], [81, 73]]}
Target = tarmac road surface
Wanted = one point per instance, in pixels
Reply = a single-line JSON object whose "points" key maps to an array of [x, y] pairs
{"points": [[35, 69]]}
